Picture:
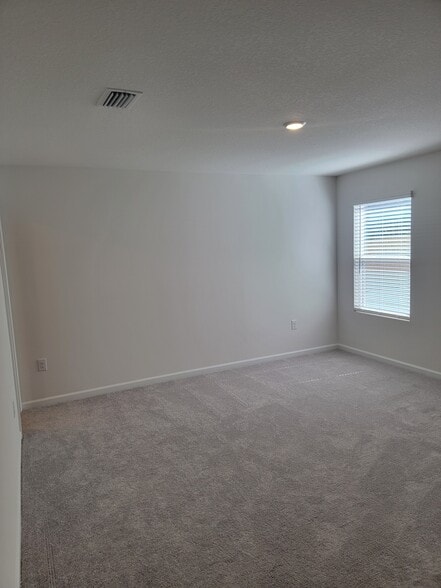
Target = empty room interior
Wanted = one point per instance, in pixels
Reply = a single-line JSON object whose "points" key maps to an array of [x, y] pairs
{"points": [[220, 297]]}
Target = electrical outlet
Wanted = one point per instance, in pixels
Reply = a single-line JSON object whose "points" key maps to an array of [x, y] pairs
{"points": [[42, 365], [294, 325]]}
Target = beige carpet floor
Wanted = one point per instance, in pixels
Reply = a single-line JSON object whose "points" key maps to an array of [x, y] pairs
{"points": [[318, 471]]}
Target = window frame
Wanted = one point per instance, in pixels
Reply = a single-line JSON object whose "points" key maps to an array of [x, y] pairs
{"points": [[379, 313]]}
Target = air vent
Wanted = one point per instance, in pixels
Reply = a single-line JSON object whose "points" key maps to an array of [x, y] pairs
{"points": [[113, 98]]}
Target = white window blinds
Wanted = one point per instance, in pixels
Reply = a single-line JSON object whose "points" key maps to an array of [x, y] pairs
{"points": [[382, 234]]}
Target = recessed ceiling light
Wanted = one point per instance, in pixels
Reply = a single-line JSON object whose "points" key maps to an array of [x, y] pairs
{"points": [[294, 125]]}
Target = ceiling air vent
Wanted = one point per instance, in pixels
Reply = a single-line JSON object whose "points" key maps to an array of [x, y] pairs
{"points": [[113, 98]]}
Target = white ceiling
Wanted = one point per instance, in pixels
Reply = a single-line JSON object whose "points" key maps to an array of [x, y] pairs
{"points": [[219, 78]]}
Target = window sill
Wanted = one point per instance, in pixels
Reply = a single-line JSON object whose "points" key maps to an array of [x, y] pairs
{"points": [[383, 315]]}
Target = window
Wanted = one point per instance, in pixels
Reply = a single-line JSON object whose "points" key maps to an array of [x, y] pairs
{"points": [[382, 257]]}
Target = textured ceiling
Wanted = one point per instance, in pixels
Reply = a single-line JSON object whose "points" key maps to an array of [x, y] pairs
{"points": [[219, 78]]}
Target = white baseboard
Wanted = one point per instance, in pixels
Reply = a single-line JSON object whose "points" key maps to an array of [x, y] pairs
{"points": [[167, 377], [384, 359]]}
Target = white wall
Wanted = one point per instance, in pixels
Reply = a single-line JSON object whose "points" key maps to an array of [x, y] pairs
{"points": [[123, 275], [419, 341], [10, 459]]}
